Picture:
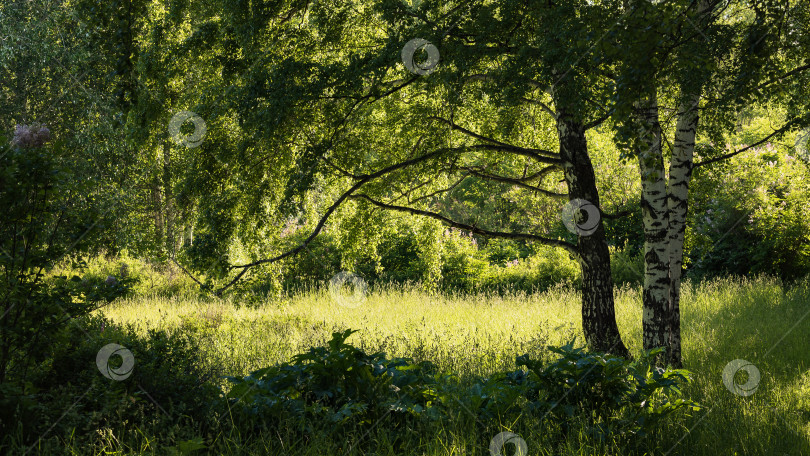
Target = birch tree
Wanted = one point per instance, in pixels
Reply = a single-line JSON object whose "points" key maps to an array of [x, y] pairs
{"points": [[728, 52]]}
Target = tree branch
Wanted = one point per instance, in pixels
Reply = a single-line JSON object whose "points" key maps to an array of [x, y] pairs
{"points": [[534, 153], [778, 132], [788, 74], [362, 180], [437, 192], [531, 153], [544, 106], [187, 273], [517, 182], [596, 122], [532, 84], [571, 248], [617, 215]]}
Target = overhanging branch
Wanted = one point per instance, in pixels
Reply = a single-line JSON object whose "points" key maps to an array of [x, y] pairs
{"points": [[494, 144], [778, 132], [614, 216], [531, 153], [796, 70], [440, 191], [542, 105], [571, 248], [517, 182], [596, 122], [361, 180], [533, 84]]}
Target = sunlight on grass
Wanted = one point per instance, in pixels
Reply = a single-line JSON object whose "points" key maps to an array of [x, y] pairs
{"points": [[752, 319]]}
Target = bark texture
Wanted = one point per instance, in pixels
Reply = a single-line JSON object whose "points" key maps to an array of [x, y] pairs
{"points": [[598, 314], [668, 328], [680, 172], [656, 319]]}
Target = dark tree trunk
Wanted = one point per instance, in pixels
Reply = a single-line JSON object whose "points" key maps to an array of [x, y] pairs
{"points": [[598, 314], [157, 208]]}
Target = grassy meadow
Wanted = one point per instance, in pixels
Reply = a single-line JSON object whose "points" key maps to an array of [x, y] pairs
{"points": [[758, 320]]}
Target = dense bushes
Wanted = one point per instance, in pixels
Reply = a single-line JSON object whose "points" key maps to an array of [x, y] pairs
{"points": [[131, 276], [336, 390], [336, 385], [340, 385], [615, 396], [750, 216], [499, 266], [46, 217], [168, 394], [465, 263], [49, 385]]}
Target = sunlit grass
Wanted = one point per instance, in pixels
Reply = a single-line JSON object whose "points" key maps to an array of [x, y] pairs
{"points": [[757, 320]]}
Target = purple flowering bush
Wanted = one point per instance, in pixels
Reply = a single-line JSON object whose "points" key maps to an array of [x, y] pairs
{"points": [[30, 136]]}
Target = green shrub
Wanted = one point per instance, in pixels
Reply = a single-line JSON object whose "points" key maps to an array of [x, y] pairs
{"points": [[626, 267], [749, 216], [399, 258], [20, 412], [315, 264], [132, 276], [339, 385], [500, 251], [45, 213], [168, 394], [463, 268], [609, 395]]}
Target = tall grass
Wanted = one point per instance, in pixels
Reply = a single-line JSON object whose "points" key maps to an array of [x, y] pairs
{"points": [[756, 319]]}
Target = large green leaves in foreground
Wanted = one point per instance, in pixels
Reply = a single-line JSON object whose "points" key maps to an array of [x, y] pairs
{"points": [[339, 384]]}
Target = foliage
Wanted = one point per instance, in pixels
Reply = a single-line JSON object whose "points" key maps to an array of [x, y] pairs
{"points": [[255, 169], [337, 384], [45, 219], [500, 251], [615, 396], [410, 250], [19, 411], [318, 263], [546, 268], [137, 276], [749, 216], [626, 267], [477, 353], [169, 390], [463, 267]]}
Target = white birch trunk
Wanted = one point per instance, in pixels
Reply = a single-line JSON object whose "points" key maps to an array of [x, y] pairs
{"points": [[680, 173], [655, 320]]}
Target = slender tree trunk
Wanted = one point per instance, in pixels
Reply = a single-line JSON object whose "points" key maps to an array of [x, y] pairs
{"points": [[5, 343], [656, 319], [168, 202], [158, 215], [680, 172], [22, 98], [188, 234], [598, 313]]}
